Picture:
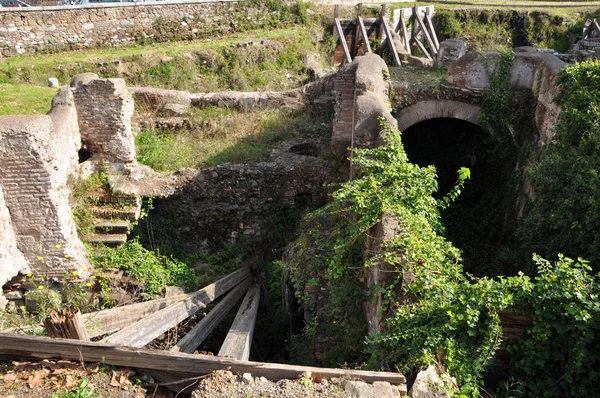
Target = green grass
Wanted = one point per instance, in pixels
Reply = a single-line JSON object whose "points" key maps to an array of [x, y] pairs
{"points": [[191, 65], [217, 136], [21, 99]]}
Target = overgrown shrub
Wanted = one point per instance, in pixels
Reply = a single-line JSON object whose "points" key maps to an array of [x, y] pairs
{"points": [[565, 214], [149, 267]]}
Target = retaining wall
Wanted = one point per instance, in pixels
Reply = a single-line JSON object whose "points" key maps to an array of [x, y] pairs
{"points": [[27, 30]]}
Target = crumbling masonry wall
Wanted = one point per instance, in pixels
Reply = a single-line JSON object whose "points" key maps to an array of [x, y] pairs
{"points": [[104, 109], [361, 96], [12, 260], [34, 164]]}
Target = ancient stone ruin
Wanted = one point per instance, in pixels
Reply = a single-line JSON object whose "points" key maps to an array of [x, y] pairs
{"points": [[37, 156]]}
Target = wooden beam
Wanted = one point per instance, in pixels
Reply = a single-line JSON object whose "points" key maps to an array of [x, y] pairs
{"points": [[363, 32], [239, 339], [342, 37], [356, 32], [422, 48], [67, 324], [595, 27], [141, 333], [390, 41], [425, 31], [113, 319], [200, 332], [431, 28], [405, 34], [32, 347]]}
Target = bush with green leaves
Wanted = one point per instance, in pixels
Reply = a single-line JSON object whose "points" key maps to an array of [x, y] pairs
{"points": [[439, 315], [565, 214], [560, 356], [149, 267]]}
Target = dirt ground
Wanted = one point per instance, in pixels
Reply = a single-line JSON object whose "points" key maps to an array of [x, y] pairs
{"points": [[63, 379]]}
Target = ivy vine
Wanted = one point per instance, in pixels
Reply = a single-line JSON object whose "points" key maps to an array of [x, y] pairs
{"points": [[496, 99]]}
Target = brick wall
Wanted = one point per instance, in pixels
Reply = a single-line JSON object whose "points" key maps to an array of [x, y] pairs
{"points": [[36, 194], [11, 259], [344, 87], [104, 109]]}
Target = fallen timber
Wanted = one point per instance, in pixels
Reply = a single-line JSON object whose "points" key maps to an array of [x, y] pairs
{"points": [[163, 362], [239, 339], [144, 331]]}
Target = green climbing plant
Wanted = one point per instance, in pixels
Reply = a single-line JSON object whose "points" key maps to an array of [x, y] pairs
{"points": [[496, 100]]}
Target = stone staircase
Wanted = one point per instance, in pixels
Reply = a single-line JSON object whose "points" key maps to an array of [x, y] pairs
{"points": [[113, 216]]}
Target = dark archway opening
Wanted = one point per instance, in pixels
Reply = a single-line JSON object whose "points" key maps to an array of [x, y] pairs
{"points": [[479, 222]]}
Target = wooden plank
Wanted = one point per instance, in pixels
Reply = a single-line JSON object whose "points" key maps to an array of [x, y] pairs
{"points": [[196, 336], [142, 332], [113, 319], [342, 37], [356, 42], [596, 27], [405, 34], [365, 36], [32, 347], [390, 41], [425, 32], [239, 339], [422, 48], [432, 29]]}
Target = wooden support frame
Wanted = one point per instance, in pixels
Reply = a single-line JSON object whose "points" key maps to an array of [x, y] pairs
{"points": [[342, 37], [363, 32], [204, 328], [142, 332], [239, 339], [405, 34], [429, 23], [185, 365], [390, 40], [425, 31], [422, 48]]}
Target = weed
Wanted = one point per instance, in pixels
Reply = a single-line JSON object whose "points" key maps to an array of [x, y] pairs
{"points": [[83, 390], [149, 267]]}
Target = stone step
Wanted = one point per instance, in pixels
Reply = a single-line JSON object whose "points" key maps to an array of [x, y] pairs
{"points": [[110, 240], [112, 213], [112, 227], [117, 198]]}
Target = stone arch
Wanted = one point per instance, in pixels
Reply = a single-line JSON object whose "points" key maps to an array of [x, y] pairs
{"points": [[435, 109]]}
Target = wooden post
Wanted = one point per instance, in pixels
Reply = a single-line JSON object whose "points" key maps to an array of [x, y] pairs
{"points": [[66, 324], [431, 28], [239, 339], [141, 333], [390, 41], [405, 33], [422, 48], [364, 34], [425, 31], [340, 31], [356, 43], [200, 332]]}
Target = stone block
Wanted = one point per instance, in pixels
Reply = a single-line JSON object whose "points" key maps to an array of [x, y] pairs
{"points": [[358, 389], [450, 51]]}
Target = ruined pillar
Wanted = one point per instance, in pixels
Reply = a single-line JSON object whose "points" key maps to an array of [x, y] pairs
{"points": [[34, 164], [104, 108]]}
